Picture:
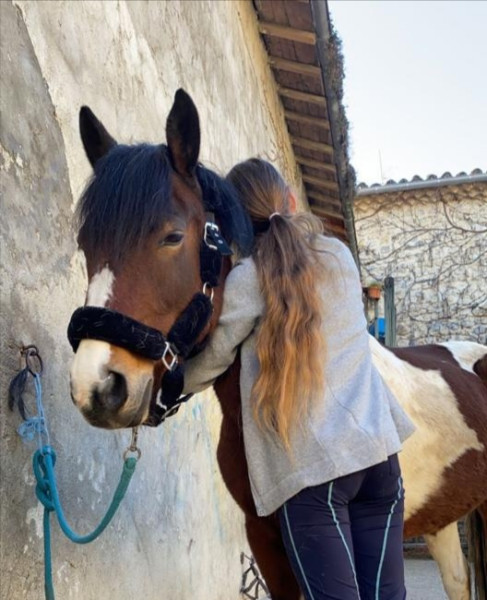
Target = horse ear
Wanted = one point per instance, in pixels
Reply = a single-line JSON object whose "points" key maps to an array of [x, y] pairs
{"points": [[96, 139], [183, 134]]}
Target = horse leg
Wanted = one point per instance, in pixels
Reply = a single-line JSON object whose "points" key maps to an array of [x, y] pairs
{"points": [[264, 537], [446, 549], [476, 526], [263, 533]]}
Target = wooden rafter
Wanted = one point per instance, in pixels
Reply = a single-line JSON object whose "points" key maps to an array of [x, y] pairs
{"points": [[302, 96], [287, 33], [315, 164], [307, 119], [319, 182], [333, 227], [293, 66], [312, 145], [324, 198]]}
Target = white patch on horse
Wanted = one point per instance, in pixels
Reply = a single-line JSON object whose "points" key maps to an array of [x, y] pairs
{"points": [[89, 370], [100, 288], [442, 434], [465, 353]]}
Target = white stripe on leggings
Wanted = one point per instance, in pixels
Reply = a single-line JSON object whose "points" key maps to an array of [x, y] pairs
{"points": [[330, 491], [384, 542], [311, 597]]}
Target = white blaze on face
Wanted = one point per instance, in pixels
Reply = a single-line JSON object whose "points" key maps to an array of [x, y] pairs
{"points": [[89, 370], [100, 288]]}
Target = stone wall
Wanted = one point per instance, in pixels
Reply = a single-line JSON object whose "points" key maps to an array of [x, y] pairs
{"points": [[178, 534], [433, 241]]}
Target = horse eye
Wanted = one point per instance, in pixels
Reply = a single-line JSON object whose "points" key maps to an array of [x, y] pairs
{"points": [[172, 239]]}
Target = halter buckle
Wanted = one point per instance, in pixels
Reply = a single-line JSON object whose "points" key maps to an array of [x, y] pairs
{"points": [[173, 357], [210, 228]]}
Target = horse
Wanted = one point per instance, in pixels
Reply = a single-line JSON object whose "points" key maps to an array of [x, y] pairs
{"points": [[153, 223]]}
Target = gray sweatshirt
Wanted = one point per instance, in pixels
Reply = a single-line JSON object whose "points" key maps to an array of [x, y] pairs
{"points": [[358, 424]]}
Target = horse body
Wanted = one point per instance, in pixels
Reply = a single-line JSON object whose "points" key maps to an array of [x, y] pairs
{"points": [[448, 405], [144, 221], [444, 463], [442, 389]]}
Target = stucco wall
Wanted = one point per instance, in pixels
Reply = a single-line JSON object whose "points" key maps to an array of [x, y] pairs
{"points": [[433, 241], [178, 534]]}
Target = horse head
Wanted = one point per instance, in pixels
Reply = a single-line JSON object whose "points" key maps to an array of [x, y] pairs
{"points": [[154, 226]]}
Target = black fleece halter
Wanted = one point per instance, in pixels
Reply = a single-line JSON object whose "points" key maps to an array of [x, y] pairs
{"points": [[96, 323]]}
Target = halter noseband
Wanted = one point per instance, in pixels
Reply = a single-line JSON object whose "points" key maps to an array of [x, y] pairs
{"points": [[97, 323]]}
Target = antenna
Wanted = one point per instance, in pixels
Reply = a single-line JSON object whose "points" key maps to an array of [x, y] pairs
{"points": [[380, 168]]}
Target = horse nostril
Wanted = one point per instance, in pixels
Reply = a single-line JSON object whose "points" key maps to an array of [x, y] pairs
{"points": [[112, 393]]}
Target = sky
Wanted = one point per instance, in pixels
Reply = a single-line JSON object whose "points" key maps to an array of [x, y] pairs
{"points": [[415, 86]]}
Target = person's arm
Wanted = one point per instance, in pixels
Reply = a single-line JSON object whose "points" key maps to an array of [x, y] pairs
{"points": [[242, 307]]}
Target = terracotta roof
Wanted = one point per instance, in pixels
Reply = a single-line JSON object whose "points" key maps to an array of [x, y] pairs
{"points": [[304, 54], [477, 175]]}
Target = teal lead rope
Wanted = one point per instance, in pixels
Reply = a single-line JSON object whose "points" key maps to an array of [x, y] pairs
{"points": [[47, 493], [44, 461]]}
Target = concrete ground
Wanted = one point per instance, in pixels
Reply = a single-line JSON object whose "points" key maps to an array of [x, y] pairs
{"points": [[423, 581]]}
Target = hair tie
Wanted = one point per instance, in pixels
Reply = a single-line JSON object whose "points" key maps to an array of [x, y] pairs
{"points": [[274, 214]]}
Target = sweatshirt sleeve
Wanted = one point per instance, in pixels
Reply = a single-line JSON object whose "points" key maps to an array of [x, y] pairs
{"points": [[242, 307]]}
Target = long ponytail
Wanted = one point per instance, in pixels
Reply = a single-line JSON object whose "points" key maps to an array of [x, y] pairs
{"points": [[290, 347]]}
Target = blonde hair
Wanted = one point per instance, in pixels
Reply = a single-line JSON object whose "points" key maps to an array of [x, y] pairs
{"points": [[290, 347]]}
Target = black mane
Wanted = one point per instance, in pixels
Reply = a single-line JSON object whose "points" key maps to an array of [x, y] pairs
{"points": [[130, 193]]}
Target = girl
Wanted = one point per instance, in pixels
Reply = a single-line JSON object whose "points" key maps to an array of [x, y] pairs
{"points": [[321, 429]]}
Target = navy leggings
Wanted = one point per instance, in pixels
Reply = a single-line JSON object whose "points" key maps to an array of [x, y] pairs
{"points": [[344, 538]]}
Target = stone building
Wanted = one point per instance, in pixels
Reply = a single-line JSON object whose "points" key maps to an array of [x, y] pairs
{"points": [[431, 237], [266, 79]]}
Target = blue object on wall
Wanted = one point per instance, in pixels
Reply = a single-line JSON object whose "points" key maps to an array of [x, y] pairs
{"points": [[381, 326]]}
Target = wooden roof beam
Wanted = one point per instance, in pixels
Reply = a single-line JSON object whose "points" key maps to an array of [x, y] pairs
{"points": [[293, 66], [332, 227], [323, 183], [323, 211], [315, 164], [302, 96], [324, 200], [311, 145], [320, 122], [287, 33]]}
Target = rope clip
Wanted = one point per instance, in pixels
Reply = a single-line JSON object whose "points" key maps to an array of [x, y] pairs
{"points": [[133, 448]]}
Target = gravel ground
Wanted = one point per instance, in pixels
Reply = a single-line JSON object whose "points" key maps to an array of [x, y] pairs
{"points": [[423, 581]]}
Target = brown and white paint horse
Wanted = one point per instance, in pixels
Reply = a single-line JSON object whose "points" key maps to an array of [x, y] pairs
{"points": [[442, 387]]}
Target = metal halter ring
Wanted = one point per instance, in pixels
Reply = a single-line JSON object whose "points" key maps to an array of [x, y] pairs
{"points": [[206, 287], [33, 360], [168, 349]]}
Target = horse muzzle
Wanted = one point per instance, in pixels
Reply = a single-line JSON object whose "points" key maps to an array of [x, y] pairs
{"points": [[111, 387]]}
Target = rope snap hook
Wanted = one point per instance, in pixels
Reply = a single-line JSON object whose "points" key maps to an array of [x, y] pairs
{"points": [[133, 448]]}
